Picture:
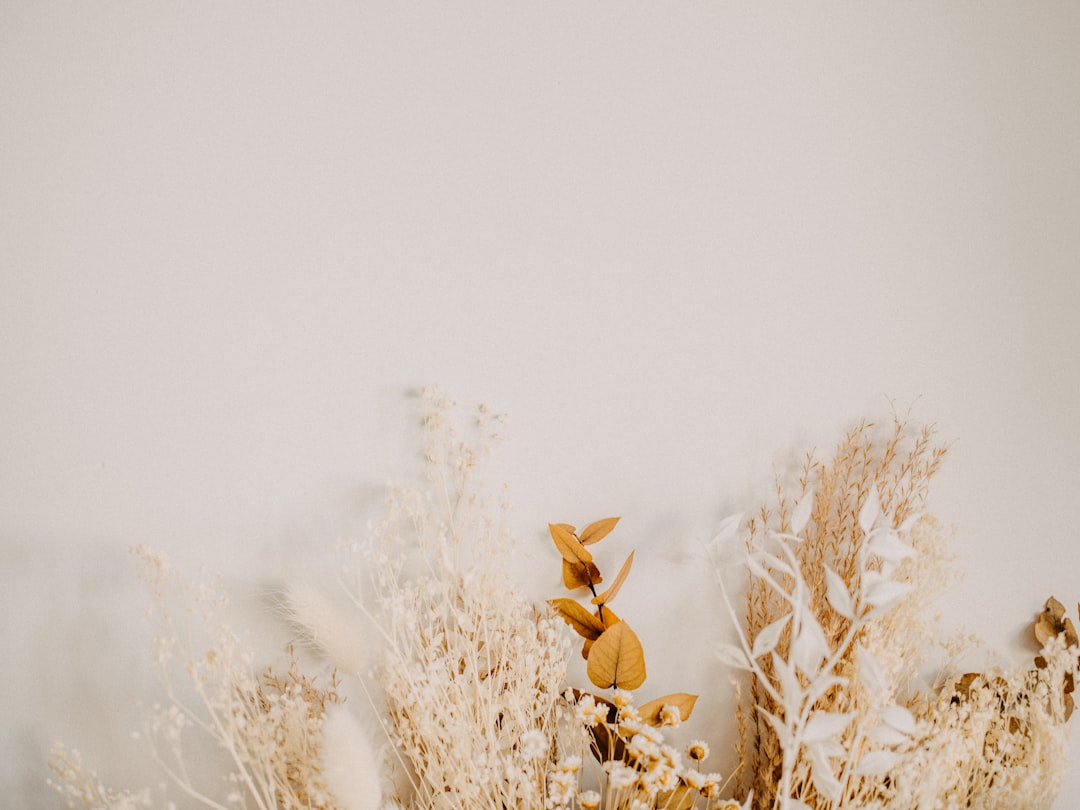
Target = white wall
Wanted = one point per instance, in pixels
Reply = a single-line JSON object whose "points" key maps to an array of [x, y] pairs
{"points": [[678, 244]]}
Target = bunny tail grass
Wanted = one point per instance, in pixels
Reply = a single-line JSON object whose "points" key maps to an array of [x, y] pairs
{"points": [[350, 766], [327, 626]]}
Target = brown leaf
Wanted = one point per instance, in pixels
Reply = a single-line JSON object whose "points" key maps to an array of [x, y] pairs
{"points": [[611, 592], [595, 532], [1071, 639], [1044, 629], [580, 575], [584, 623], [650, 712], [607, 745], [617, 659], [568, 545], [681, 798], [1055, 609]]}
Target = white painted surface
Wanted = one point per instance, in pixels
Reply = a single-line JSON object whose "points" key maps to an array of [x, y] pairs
{"points": [[677, 245]]}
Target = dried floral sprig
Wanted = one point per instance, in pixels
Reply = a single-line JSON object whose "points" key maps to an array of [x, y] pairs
{"points": [[840, 573], [267, 725], [824, 745], [471, 688], [472, 672], [615, 657], [638, 769]]}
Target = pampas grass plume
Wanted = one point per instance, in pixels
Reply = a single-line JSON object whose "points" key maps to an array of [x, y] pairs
{"points": [[327, 626], [350, 766]]}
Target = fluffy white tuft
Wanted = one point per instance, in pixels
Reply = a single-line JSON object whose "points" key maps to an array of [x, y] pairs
{"points": [[350, 766], [328, 627]]}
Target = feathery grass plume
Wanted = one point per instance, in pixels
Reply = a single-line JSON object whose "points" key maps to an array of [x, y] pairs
{"points": [[473, 672], [351, 768], [326, 627]]}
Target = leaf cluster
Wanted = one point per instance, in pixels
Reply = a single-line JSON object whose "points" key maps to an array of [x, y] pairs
{"points": [[1052, 623], [614, 655], [613, 651]]}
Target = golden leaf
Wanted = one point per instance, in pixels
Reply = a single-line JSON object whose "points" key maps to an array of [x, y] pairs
{"points": [[595, 532], [681, 798], [617, 659], [580, 575], [584, 623], [650, 712], [607, 618], [610, 593], [568, 545]]}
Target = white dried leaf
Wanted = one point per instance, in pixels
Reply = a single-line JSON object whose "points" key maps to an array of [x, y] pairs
{"points": [[870, 510], [885, 735], [887, 593], [783, 733], [809, 647], [732, 655], [876, 763], [889, 546], [769, 637], [789, 683], [899, 718], [801, 515], [760, 571], [774, 563], [822, 774], [728, 529], [837, 593], [823, 684], [826, 725], [870, 671]]}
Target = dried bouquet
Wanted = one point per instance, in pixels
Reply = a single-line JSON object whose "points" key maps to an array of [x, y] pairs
{"points": [[461, 699]]}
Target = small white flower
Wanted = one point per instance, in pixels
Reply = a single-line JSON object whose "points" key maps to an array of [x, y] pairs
{"points": [[533, 744], [621, 776], [697, 750], [670, 716]]}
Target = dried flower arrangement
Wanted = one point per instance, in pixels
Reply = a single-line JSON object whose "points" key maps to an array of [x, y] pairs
{"points": [[470, 693]]}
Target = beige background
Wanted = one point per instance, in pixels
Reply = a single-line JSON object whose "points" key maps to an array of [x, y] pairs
{"points": [[677, 243]]}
